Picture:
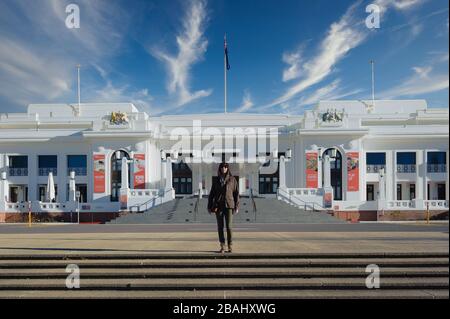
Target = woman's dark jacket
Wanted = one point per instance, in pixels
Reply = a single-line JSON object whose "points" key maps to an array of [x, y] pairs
{"points": [[224, 196]]}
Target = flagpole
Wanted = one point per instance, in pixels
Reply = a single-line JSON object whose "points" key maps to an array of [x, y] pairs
{"points": [[225, 76]]}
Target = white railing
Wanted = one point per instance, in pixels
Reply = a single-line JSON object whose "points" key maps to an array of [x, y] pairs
{"points": [[154, 198], [400, 204], [18, 171], [436, 168], [47, 170], [44, 206], [374, 168], [436, 204], [406, 168], [79, 171], [144, 192], [310, 200], [304, 191]]}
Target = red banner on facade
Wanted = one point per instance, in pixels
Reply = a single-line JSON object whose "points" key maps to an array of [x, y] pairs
{"points": [[353, 171], [139, 171], [99, 173], [312, 175]]}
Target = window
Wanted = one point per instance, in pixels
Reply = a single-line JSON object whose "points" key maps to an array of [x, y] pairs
{"points": [[412, 191], [42, 193], [436, 158], [18, 193], [375, 162], [82, 188], [399, 192], [268, 184], [376, 158], [370, 192], [47, 164], [20, 161], [441, 191], [406, 158], [78, 164], [406, 162], [436, 162], [18, 165], [182, 178]]}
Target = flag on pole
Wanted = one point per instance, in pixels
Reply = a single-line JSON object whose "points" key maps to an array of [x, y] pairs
{"points": [[226, 53]]}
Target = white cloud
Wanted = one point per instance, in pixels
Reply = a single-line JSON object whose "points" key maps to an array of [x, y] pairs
{"points": [[123, 94], [341, 37], [423, 80], [191, 48], [38, 53], [293, 59], [247, 103], [401, 5], [332, 91]]}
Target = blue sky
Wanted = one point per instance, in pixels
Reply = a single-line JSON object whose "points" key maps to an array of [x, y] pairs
{"points": [[167, 56]]}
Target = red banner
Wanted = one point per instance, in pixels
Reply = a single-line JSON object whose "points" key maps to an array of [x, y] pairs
{"points": [[139, 171], [312, 175], [99, 173], [353, 171]]}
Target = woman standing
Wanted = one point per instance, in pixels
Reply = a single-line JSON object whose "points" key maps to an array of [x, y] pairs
{"points": [[224, 202]]}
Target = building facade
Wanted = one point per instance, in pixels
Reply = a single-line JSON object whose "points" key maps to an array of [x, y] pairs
{"points": [[356, 159]]}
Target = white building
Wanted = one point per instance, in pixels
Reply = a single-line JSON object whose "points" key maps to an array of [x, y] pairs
{"points": [[362, 161]]}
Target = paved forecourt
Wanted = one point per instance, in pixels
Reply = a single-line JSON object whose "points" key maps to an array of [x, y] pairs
{"points": [[200, 239]]}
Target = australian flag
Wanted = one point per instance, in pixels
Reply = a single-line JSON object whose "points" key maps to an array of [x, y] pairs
{"points": [[226, 53]]}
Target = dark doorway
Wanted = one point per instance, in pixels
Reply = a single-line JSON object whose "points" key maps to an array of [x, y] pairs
{"points": [[116, 175], [336, 171], [441, 191], [182, 178], [370, 192]]}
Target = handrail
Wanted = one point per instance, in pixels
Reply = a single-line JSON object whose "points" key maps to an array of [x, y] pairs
{"points": [[149, 201], [304, 202], [255, 210]]}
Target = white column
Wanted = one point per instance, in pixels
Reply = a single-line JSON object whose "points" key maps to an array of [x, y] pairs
{"points": [[72, 188], [3, 187], [124, 176], [169, 182], [382, 189], [327, 172], [390, 175], [421, 175], [33, 173], [282, 172]]}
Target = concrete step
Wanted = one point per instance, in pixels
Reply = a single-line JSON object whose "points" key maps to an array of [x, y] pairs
{"points": [[224, 283], [185, 263], [117, 256], [418, 275], [228, 294], [182, 210], [405, 272]]}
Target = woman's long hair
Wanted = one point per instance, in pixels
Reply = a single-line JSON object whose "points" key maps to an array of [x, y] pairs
{"points": [[219, 171]]}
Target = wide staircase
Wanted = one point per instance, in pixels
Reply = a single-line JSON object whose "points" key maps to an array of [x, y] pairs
{"points": [[259, 276], [252, 210]]}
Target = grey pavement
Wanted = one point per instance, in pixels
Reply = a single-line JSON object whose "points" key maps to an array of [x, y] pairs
{"points": [[198, 239]]}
